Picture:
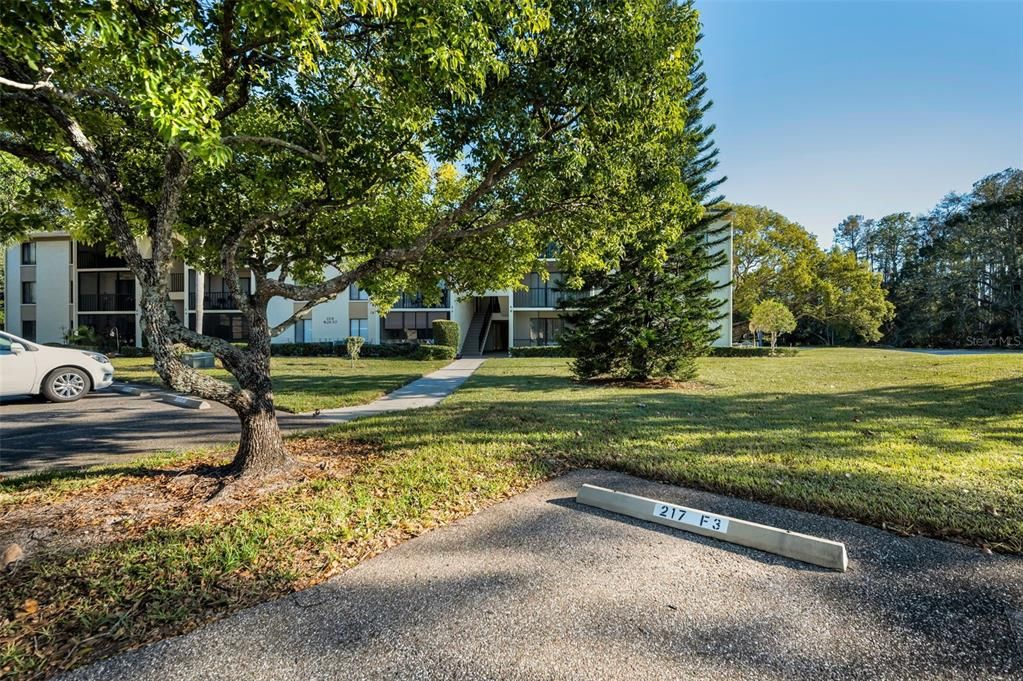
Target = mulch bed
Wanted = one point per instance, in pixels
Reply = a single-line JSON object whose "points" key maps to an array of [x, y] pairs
{"points": [[201, 490]]}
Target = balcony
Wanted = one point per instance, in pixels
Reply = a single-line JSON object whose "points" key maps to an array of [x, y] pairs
{"points": [[414, 301], [546, 297], [106, 302], [215, 300]]}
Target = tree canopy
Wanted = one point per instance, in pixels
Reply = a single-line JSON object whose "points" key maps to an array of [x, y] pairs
{"points": [[655, 313], [832, 296], [773, 318], [400, 143], [954, 274]]}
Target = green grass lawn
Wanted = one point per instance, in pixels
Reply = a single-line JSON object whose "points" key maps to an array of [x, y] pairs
{"points": [[917, 443], [302, 384]]}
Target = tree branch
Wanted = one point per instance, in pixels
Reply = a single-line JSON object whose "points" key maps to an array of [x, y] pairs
{"points": [[275, 142]]}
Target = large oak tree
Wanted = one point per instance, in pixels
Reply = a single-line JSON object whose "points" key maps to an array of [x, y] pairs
{"points": [[400, 143]]}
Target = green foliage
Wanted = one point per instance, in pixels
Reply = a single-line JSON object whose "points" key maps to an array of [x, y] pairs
{"points": [[540, 351], [341, 349], [354, 345], [396, 145], [773, 318], [953, 274], [655, 313], [445, 332], [433, 352], [832, 297], [83, 336]]}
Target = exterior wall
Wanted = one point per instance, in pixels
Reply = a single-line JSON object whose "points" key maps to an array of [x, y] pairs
{"points": [[722, 276], [56, 274], [12, 296], [52, 312]]}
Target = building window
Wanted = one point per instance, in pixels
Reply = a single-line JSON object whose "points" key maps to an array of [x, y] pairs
{"points": [[28, 330], [28, 292], [106, 292], [304, 331], [399, 326], [544, 330], [358, 327], [356, 293], [95, 257], [28, 253]]}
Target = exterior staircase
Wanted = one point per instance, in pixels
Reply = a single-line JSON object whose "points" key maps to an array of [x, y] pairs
{"points": [[479, 327], [475, 338]]}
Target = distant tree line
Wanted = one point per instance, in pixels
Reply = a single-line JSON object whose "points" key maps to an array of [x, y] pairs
{"points": [[833, 297], [955, 275]]}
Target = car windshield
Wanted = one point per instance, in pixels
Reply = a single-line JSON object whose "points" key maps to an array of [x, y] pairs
{"points": [[5, 344]]}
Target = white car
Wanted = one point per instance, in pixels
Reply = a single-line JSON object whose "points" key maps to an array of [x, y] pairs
{"points": [[58, 374]]}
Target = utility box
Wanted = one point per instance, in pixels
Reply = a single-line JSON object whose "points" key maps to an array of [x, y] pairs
{"points": [[198, 360]]}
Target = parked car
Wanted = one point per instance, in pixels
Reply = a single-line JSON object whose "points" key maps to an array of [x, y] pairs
{"points": [[58, 374]]}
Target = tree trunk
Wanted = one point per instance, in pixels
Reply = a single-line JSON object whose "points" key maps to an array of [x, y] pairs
{"points": [[261, 448]]}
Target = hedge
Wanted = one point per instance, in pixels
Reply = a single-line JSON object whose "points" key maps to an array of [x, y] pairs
{"points": [[434, 352], [445, 332], [539, 351], [339, 349], [752, 352]]}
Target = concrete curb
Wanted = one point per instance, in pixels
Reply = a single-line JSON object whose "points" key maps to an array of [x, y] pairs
{"points": [[800, 547], [186, 402], [128, 390]]}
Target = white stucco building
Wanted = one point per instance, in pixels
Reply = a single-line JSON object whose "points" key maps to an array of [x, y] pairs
{"points": [[55, 283]]}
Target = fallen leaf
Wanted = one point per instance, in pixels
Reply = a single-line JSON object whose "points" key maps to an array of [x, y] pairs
{"points": [[12, 553], [29, 607]]}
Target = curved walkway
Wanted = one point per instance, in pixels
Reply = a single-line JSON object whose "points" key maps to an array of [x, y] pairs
{"points": [[422, 392]]}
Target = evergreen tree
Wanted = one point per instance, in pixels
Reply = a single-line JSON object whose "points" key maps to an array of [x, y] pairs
{"points": [[655, 313]]}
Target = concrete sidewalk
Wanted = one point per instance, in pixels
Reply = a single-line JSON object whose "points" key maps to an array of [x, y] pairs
{"points": [[422, 392], [538, 587]]}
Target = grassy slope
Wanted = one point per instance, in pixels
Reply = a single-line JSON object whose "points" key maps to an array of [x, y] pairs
{"points": [[915, 441], [302, 384]]}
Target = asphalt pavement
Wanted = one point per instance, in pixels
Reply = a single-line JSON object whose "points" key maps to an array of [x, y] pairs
{"points": [[539, 587], [106, 427]]}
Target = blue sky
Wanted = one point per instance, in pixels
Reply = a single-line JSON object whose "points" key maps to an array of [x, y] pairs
{"points": [[826, 108]]}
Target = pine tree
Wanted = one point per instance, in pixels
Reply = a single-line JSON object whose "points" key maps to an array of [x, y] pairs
{"points": [[655, 313]]}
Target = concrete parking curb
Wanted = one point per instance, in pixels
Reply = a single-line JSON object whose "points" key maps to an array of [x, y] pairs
{"points": [[803, 547], [186, 402], [128, 390]]}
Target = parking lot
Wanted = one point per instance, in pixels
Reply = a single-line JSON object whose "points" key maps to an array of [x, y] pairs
{"points": [[108, 427]]}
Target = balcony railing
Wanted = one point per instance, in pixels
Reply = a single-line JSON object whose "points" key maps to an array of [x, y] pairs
{"points": [[177, 282], [106, 302], [414, 301], [215, 300], [548, 297]]}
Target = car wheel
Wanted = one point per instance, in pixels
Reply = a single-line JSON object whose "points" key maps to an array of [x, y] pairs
{"points": [[65, 384]]}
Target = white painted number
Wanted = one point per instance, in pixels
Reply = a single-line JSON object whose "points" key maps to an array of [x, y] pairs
{"points": [[693, 517]]}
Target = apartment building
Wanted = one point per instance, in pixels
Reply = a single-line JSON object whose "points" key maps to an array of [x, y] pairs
{"points": [[55, 283]]}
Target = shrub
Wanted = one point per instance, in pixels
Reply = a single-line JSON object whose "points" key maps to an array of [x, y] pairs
{"points": [[340, 349], [354, 345], [445, 332], [434, 352], [132, 351], [540, 351], [752, 352]]}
